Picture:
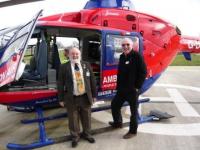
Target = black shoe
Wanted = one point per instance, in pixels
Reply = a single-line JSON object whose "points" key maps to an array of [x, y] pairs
{"points": [[88, 138], [129, 135], [115, 125], [74, 143]]}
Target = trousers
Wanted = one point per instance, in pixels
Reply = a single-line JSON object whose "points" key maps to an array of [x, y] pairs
{"points": [[117, 103], [79, 110]]}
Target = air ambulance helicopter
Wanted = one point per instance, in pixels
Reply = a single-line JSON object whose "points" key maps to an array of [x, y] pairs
{"points": [[98, 29]]}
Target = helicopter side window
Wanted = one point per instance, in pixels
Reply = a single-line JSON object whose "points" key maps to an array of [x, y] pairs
{"points": [[93, 51], [114, 50], [93, 54]]}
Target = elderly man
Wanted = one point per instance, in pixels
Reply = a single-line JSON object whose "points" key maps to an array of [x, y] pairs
{"points": [[130, 77], [77, 91]]}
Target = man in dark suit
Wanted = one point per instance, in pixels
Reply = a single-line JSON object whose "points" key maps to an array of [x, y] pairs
{"points": [[77, 92], [130, 77]]}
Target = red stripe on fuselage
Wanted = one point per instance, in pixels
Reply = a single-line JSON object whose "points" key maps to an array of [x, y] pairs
{"points": [[23, 96]]}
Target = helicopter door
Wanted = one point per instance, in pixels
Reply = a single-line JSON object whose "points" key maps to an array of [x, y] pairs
{"points": [[11, 65], [111, 44]]}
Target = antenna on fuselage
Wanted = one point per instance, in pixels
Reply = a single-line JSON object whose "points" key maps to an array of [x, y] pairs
{"points": [[123, 4]]}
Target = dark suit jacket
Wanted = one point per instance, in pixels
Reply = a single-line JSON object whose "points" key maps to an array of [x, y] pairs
{"points": [[65, 82], [131, 72]]}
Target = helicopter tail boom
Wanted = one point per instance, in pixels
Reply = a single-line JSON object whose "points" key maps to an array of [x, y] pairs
{"points": [[190, 44]]}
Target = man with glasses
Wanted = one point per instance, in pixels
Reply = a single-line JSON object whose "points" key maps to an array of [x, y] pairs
{"points": [[131, 75]]}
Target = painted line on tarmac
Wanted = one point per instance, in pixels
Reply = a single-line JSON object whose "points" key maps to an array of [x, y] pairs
{"points": [[182, 104], [197, 89], [155, 128], [160, 99], [172, 129]]}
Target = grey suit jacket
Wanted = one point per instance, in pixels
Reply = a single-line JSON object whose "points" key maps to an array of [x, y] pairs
{"points": [[65, 82]]}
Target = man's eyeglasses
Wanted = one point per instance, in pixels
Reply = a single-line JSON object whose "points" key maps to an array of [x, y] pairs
{"points": [[123, 45]]}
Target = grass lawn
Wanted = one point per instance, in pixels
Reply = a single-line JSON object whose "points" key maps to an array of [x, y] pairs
{"points": [[180, 61]]}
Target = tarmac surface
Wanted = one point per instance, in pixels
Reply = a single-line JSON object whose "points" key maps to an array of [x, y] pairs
{"points": [[177, 92]]}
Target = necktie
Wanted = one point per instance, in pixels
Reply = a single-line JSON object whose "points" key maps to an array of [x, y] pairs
{"points": [[76, 67], [79, 80]]}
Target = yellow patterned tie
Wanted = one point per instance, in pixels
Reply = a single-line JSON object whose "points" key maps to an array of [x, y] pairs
{"points": [[79, 80]]}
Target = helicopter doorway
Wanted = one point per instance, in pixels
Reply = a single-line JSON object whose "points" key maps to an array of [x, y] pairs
{"points": [[58, 39]]}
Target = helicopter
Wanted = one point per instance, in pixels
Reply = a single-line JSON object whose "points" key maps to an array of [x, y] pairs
{"points": [[98, 30]]}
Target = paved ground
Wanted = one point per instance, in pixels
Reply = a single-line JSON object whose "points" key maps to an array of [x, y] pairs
{"points": [[177, 92]]}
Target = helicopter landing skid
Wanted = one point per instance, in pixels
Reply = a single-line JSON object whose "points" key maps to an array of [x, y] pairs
{"points": [[44, 140]]}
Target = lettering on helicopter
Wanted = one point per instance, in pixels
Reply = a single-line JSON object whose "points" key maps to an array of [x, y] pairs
{"points": [[7, 74], [194, 44], [191, 44], [109, 79], [46, 101], [104, 93]]}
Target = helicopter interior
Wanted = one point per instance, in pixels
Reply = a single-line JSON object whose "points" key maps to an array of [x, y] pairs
{"points": [[45, 54]]}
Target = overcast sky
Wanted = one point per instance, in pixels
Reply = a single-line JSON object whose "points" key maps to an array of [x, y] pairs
{"points": [[183, 13]]}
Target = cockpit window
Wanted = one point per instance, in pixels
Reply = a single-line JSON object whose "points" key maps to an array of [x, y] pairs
{"points": [[106, 3], [114, 49], [124, 4]]}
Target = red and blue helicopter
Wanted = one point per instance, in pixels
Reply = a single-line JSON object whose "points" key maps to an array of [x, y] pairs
{"points": [[99, 29]]}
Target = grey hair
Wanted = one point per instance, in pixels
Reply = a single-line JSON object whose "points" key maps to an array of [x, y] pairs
{"points": [[74, 48], [127, 39]]}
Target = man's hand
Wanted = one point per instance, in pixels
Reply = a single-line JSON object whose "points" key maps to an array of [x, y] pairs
{"points": [[62, 104]]}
